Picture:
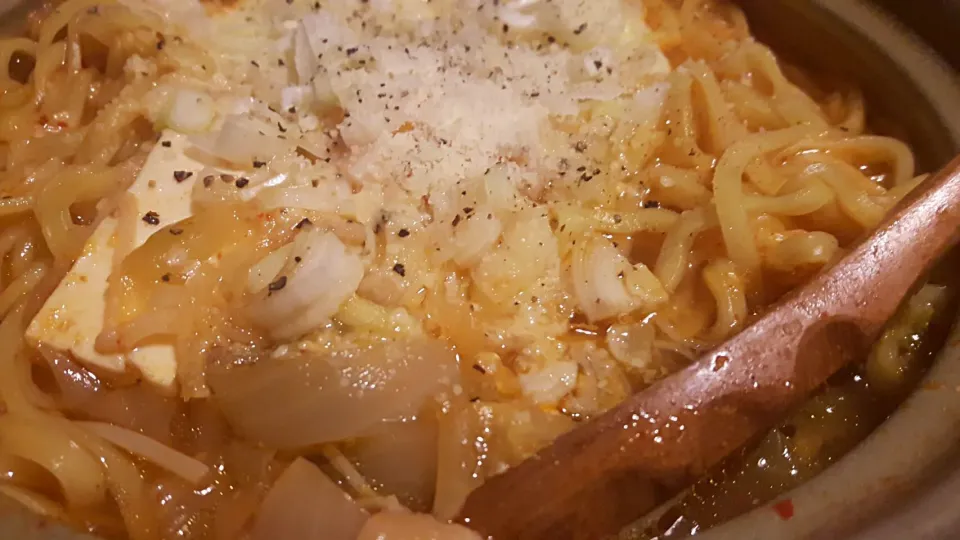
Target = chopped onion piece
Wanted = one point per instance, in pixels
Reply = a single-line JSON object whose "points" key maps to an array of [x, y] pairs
{"points": [[402, 526], [306, 505], [475, 236], [304, 57], [607, 285], [190, 111], [241, 141], [400, 458], [305, 400], [265, 271], [598, 270], [319, 275], [161, 455], [550, 383]]}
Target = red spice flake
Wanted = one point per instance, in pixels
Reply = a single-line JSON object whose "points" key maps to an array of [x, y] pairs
{"points": [[784, 509], [404, 128]]}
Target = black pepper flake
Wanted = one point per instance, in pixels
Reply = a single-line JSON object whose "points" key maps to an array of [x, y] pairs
{"points": [[277, 284], [351, 51], [467, 209], [479, 368], [651, 204], [581, 168], [298, 259], [280, 62], [398, 268], [303, 222], [403, 233], [506, 28], [617, 218], [161, 43], [166, 144], [242, 182], [254, 63], [580, 29], [281, 128], [176, 231], [258, 164], [152, 218], [580, 147], [597, 64], [456, 220], [208, 180], [180, 176], [551, 39], [165, 278]]}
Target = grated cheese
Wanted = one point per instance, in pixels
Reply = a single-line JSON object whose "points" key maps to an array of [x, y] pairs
{"points": [[451, 98]]}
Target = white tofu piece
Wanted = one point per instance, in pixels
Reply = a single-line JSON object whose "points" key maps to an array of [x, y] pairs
{"points": [[73, 316]]}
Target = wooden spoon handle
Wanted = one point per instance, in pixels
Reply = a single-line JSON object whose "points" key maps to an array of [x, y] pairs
{"points": [[597, 478]]}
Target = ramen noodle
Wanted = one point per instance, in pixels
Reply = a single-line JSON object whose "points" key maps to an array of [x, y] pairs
{"points": [[260, 253]]}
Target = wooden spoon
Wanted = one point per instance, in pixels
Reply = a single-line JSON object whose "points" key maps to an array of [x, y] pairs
{"points": [[610, 471]]}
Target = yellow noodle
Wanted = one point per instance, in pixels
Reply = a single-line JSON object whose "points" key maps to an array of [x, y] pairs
{"points": [[728, 191], [722, 128], [810, 198], [752, 108], [853, 199], [681, 147], [795, 107], [576, 218], [801, 248], [728, 292], [29, 437], [675, 187], [869, 148], [23, 285], [674, 256], [15, 205]]}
